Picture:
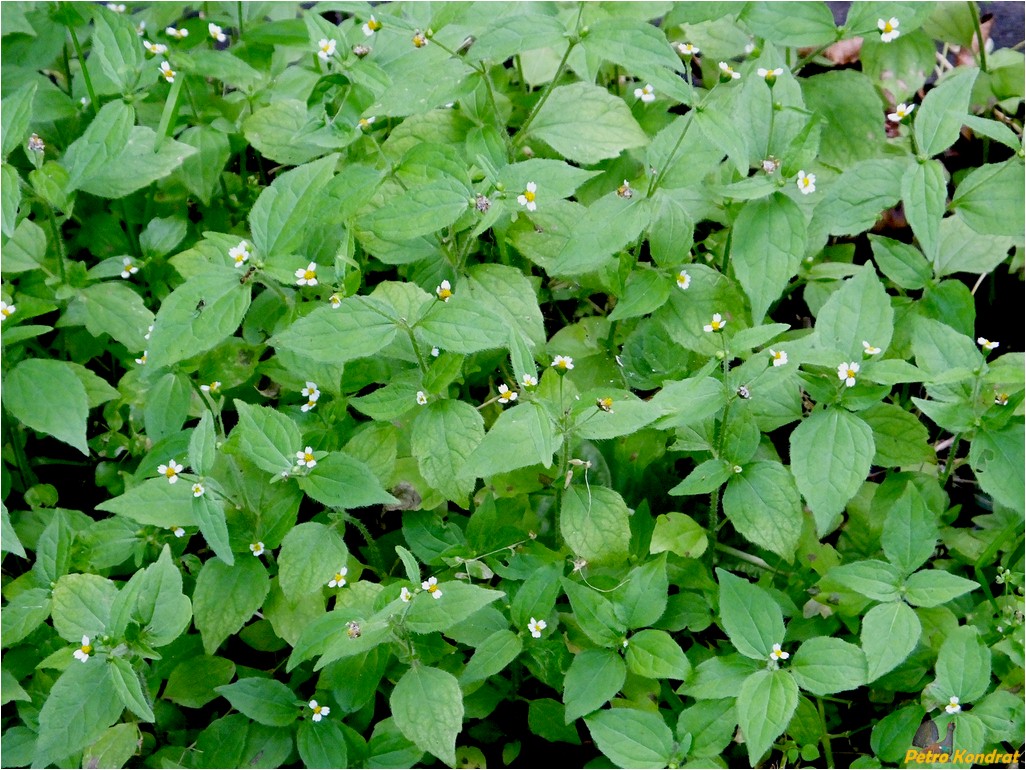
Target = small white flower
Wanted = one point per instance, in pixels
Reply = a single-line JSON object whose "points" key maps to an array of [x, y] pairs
{"points": [[646, 94], [308, 406], [167, 72], [431, 586], [901, 112], [257, 548], [779, 357], [361, 50], [319, 712], [506, 395], [1003, 576], [683, 280], [307, 276], [372, 26], [157, 49], [687, 49], [35, 144], [171, 471], [869, 350], [405, 594], [83, 652], [240, 254], [197, 491], [6, 311], [179, 34], [562, 363], [366, 123], [326, 48], [444, 291], [986, 344], [177, 531], [530, 381], [213, 387], [340, 578], [336, 301], [419, 41], [716, 325], [769, 76], [953, 707], [779, 654], [749, 47], [140, 28], [435, 352], [310, 391], [1001, 399], [727, 73], [847, 372], [536, 627], [141, 360], [149, 331], [806, 183], [527, 197], [129, 267], [306, 458], [216, 32], [888, 29], [421, 397], [116, 7]]}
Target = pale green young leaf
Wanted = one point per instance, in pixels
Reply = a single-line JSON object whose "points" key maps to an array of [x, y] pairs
{"points": [[495, 653], [310, 555], [909, 531], [671, 233], [641, 600], [360, 327], [763, 504], [341, 481], [203, 445], [409, 564], [997, 459], [81, 705], [210, 516], [458, 602], [445, 436], [823, 665], [963, 665], [586, 124], [889, 634], [156, 503], [553, 178], [595, 614], [167, 406], [632, 738], [9, 541], [322, 744], [899, 437], [902, 263], [16, 115], [527, 30], [714, 124], [286, 132], [851, 108], [751, 618], [114, 309], [266, 437], [100, 145], [594, 677], [201, 171], [654, 654], [831, 453], [765, 704], [707, 477], [159, 604], [81, 605], [266, 701], [594, 523], [10, 190], [871, 578], [226, 597], [756, 336], [628, 414], [46, 396], [53, 548], [646, 290], [939, 118], [609, 225], [679, 534], [940, 349], [924, 192], [990, 198], [427, 706], [197, 316], [509, 293], [934, 587], [130, 690], [522, 436], [284, 212]]}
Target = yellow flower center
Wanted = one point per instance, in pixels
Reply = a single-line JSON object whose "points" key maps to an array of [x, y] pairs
{"points": [[888, 27], [716, 325], [431, 589], [373, 25], [309, 275], [529, 196], [419, 40], [777, 356], [605, 404], [6, 311], [444, 294], [87, 648], [307, 457], [851, 373], [170, 472]]}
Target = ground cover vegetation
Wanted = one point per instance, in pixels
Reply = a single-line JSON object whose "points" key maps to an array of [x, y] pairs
{"points": [[525, 384]]}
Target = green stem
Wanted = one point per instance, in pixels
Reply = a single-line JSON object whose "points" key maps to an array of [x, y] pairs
{"points": [[133, 238], [979, 34], [773, 114], [58, 241], [66, 60], [372, 547], [950, 464], [520, 72], [689, 119], [760, 563], [28, 478], [167, 117], [806, 59], [416, 348], [522, 133], [85, 70], [828, 752], [238, 11]]}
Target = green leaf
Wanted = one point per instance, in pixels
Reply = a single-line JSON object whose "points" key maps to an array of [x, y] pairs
{"points": [[924, 192], [671, 233], [24, 614], [641, 601], [859, 310], [510, 35], [963, 250], [631, 44], [341, 481], [963, 665], [81, 606], [16, 116], [889, 634], [939, 118], [309, 556], [831, 453], [707, 477], [763, 504], [286, 132], [824, 665], [749, 615], [522, 436], [900, 438], [628, 414], [115, 47], [850, 106], [492, 656], [167, 406], [46, 396], [595, 614], [9, 542], [593, 678], [714, 124], [11, 192], [81, 705], [266, 701], [654, 654], [765, 704], [607, 226], [939, 349], [26, 249], [989, 199], [192, 682], [115, 747], [934, 587], [427, 706], [267, 437], [201, 171], [203, 445], [198, 316], [159, 604], [646, 291], [421, 211], [679, 534], [155, 502], [594, 524], [210, 516], [586, 124], [288, 208], [909, 531], [226, 597], [461, 325], [902, 263], [711, 725], [509, 293], [537, 596], [997, 459], [795, 25], [126, 682], [114, 309], [632, 738], [360, 327], [871, 578], [445, 437], [99, 145], [458, 602], [322, 744]]}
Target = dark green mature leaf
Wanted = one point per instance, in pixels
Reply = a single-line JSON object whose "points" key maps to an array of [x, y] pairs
{"points": [[428, 707], [902, 263], [522, 436], [116, 48], [641, 600], [851, 108], [593, 678], [360, 326], [322, 744], [766, 249], [155, 502], [934, 587], [632, 738], [871, 578], [899, 437], [47, 396], [680, 534], [282, 215], [81, 605], [82, 704], [117, 310], [990, 198], [129, 688], [653, 653], [997, 459], [226, 597], [595, 614], [751, 618], [458, 602], [16, 116], [909, 531], [266, 701], [266, 437], [341, 481], [963, 250], [796, 24], [823, 665], [763, 504], [492, 656], [11, 200], [963, 665], [192, 683], [310, 555], [889, 634], [100, 145], [445, 436], [167, 406], [585, 123], [594, 524], [924, 192], [510, 35], [939, 118], [765, 703], [463, 325]]}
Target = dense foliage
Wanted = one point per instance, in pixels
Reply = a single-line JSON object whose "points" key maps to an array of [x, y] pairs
{"points": [[518, 383]]}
